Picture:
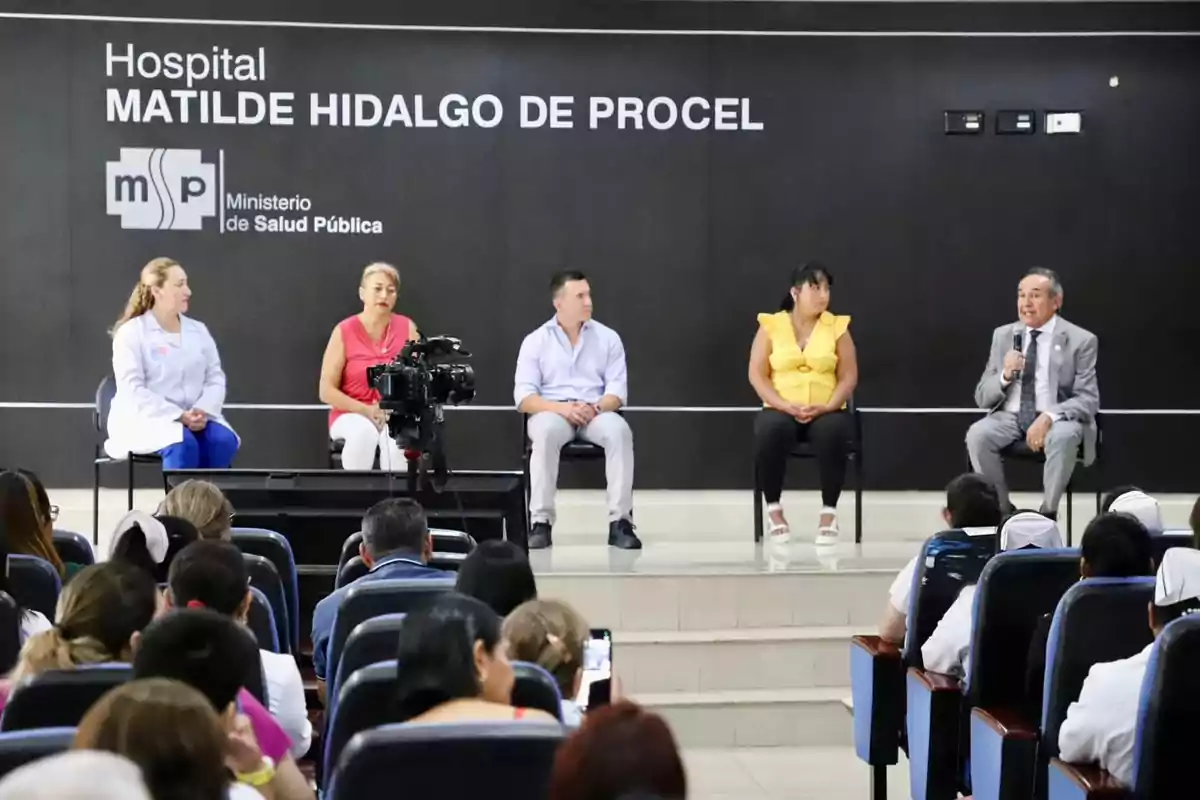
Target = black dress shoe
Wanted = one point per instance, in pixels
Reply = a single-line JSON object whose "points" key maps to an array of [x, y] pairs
{"points": [[620, 534], [539, 536]]}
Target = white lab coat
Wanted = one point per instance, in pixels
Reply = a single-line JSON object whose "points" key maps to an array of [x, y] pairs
{"points": [[159, 376], [1102, 724], [948, 649]]}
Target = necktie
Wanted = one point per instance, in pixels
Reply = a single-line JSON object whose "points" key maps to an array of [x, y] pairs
{"points": [[1027, 413]]}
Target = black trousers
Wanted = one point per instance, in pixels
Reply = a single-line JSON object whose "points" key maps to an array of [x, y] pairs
{"points": [[775, 433]]}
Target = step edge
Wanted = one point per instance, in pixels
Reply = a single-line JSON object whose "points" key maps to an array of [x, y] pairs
{"points": [[795, 633], [744, 697]]}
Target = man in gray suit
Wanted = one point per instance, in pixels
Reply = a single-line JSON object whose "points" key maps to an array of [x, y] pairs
{"points": [[1039, 387]]}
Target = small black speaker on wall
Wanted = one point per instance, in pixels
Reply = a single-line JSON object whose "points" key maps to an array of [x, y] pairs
{"points": [[964, 122], [1016, 122]]}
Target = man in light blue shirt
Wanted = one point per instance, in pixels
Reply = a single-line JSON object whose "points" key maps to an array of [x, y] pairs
{"points": [[571, 379]]}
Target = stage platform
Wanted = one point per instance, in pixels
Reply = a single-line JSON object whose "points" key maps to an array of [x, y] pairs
{"points": [[742, 647]]}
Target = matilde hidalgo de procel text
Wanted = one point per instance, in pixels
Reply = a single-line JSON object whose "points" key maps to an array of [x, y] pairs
{"points": [[194, 104]]}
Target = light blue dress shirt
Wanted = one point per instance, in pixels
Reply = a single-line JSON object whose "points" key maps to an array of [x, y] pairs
{"points": [[550, 367]]}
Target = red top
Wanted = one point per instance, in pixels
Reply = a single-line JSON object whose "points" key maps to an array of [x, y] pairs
{"points": [[362, 351]]}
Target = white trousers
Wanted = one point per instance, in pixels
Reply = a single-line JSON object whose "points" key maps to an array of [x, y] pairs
{"points": [[549, 432], [361, 440]]}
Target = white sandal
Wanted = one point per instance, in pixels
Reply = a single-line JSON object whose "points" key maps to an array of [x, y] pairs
{"points": [[828, 534], [778, 532]]}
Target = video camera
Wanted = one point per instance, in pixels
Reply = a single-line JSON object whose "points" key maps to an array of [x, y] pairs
{"points": [[414, 388]]}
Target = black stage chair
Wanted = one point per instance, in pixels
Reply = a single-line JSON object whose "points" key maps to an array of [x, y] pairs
{"points": [[73, 547], [275, 548], [802, 450], [534, 687], [574, 450], [371, 641], [60, 697], [105, 393], [376, 598], [34, 583], [1019, 451], [365, 700], [427, 760], [265, 578], [18, 748]]}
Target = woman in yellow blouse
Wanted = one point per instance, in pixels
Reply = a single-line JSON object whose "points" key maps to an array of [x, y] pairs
{"points": [[804, 368]]}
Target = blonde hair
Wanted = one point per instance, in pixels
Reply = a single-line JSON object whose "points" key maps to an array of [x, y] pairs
{"points": [[380, 268], [202, 504], [154, 276], [97, 613], [551, 634]]}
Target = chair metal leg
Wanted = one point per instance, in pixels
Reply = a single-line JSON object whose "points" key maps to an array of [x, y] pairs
{"points": [[96, 499], [879, 785], [1070, 514], [758, 509], [129, 506], [858, 500]]}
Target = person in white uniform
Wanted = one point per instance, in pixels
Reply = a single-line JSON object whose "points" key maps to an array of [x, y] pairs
{"points": [[948, 649], [170, 385], [973, 506], [1101, 725], [571, 378], [1141, 506]]}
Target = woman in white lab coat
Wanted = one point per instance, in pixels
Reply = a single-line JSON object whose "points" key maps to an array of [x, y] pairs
{"points": [[170, 385]]}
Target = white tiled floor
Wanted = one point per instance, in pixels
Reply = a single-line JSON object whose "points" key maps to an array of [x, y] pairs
{"points": [[784, 773]]}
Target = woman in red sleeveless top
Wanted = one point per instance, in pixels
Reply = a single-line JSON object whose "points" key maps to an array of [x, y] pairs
{"points": [[374, 336]]}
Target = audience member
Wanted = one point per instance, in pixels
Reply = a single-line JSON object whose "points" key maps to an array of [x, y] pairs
{"points": [[620, 751], [212, 653], [1113, 546], [1101, 725], [1140, 506], [453, 666], [212, 574], [498, 573], [48, 514], [185, 750], [202, 504], [76, 775], [1112, 494], [552, 635], [395, 545], [32, 621], [948, 649], [1194, 524], [97, 617], [151, 543], [972, 503], [26, 531]]}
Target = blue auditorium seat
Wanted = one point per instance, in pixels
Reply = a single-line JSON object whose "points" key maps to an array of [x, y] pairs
{"points": [[512, 758]]}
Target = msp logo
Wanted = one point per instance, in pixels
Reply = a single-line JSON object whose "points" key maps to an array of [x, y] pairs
{"points": [[161, 189]]}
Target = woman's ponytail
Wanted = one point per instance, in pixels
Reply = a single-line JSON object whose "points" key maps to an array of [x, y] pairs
{"points": [[141, 300], [42, 651]]}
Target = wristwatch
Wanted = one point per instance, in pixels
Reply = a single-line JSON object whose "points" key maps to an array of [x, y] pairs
{"points": [[261, 776]]}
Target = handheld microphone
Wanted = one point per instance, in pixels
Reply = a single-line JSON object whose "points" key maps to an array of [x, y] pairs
{"points": [[1017, 346]]}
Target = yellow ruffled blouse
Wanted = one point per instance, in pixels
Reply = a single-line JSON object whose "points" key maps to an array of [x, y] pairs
{"points": [[808, 376]]}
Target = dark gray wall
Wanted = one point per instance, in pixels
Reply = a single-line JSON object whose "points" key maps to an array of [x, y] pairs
{"points": [[686, 235]]}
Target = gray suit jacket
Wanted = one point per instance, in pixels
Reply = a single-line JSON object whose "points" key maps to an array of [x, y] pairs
{"points": [[1072, 376]]}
